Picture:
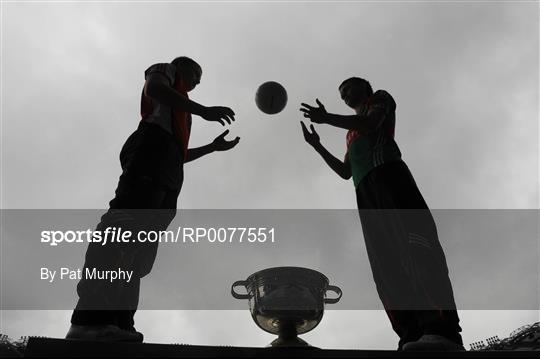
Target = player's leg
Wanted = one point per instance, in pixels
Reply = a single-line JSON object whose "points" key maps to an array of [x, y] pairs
{"points": [[383, 236], [428, 271], [144, 260], [139, 194], [100, 300], [156, 159]]}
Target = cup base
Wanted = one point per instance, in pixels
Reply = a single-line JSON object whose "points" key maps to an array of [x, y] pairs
{"points": [[289, 342]]}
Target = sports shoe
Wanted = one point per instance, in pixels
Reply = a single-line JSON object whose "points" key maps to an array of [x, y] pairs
{"points": [[140, 336], [106, 333], [432, 342]]}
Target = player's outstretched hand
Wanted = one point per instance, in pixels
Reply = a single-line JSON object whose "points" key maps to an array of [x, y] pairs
{"points": [[221, 144], [218, 114], [311, 137], [315, 114]]}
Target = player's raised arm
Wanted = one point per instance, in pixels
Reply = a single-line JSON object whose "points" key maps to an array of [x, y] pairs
{"points": [[219, 114], [158, 86], [220, 143], [318, 114], [342, 168]]}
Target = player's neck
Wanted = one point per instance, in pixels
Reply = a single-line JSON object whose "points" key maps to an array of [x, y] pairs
{"points": [[358, 109]]}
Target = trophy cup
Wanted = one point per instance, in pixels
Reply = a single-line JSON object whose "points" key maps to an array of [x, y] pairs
{"points": [[287, 301]]}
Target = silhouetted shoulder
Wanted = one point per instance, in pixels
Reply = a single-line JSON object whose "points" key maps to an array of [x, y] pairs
{"points": [[165, 69], [383, 100]]}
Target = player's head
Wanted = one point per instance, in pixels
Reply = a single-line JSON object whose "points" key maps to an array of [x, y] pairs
{"points": [[354, 91], [188, 71]]}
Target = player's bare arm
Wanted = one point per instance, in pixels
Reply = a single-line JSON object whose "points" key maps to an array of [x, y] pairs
{"points": [[342, 168], [218, 144], [362, 123], [157, 86]]}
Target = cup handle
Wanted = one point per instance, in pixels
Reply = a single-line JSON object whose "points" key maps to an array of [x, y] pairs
{"points": [[336, 290], [238, 295]]}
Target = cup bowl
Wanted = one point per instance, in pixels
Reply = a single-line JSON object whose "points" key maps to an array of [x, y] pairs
{"points": [[287, 301]]}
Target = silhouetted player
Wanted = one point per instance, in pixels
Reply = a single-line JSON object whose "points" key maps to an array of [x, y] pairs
{"points": [[407, 261], [152, 161]]}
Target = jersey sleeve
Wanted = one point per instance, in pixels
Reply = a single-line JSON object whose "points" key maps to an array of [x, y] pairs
{"points": [[382, 101], [167, 70]]}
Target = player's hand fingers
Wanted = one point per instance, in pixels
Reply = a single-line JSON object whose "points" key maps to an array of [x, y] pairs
{"points": [[307, 106], [231, 144], [224, 134], [224, 114], [312, 128], [304, 128], [305, 110], [319, 103], [227, 113], [223, 117]]}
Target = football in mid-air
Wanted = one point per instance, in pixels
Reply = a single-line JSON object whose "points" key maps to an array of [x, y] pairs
{"points": [[271, 97]]}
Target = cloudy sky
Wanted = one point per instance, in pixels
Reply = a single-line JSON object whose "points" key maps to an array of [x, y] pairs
{"points": [[464, 76]]}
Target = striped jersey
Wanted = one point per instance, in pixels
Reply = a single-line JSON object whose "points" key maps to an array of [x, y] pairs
{"points": [[366, 151]]}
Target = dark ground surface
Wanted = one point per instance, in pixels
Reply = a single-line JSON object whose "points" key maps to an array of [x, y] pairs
{"points": [[48, 347]]}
